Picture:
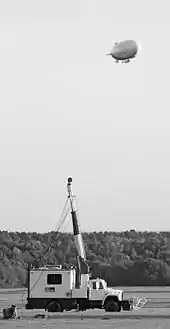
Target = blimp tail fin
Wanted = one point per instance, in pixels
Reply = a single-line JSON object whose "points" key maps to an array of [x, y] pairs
{"points": [[109, 54]]}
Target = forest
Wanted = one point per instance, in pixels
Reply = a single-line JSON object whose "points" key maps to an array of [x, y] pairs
{"points": [[121, 258]]}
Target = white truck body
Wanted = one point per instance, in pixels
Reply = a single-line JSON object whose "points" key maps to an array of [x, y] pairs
{"points": [[56, 284]]}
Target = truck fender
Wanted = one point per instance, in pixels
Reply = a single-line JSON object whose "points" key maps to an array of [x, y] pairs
{"points": [[108, 297]]}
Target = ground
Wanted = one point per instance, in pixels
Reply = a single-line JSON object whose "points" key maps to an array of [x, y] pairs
{"points": [[155, 314]]}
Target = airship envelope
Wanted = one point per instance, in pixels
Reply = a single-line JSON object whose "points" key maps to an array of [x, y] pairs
{"points": [[124, 50]]}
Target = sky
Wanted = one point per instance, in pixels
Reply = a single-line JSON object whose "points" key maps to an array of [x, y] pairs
{"points": [[67, 110]]}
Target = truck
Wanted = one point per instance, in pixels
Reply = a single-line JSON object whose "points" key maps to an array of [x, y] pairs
{"points": [[57, 289]]}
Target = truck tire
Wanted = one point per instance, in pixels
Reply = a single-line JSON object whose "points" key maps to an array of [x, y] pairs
{"points": [[112, 305], [54, 307]]}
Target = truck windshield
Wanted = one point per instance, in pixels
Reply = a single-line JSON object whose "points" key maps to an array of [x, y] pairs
{"points": [[104, 285]]}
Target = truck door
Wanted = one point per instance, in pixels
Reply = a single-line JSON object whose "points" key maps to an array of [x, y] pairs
{"points": [[97, 290]]}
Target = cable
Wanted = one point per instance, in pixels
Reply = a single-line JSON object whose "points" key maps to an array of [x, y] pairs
{"points": [[48, 250], [57, 229], [62, 215]]}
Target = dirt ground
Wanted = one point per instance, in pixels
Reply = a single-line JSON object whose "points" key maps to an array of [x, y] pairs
{"points": [[155, 314]]}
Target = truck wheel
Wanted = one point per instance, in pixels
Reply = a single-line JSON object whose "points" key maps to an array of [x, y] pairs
{"points": [[112, 306], [54, 307]]}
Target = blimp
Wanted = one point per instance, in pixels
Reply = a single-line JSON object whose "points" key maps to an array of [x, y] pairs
{"points": [[124, 51]]}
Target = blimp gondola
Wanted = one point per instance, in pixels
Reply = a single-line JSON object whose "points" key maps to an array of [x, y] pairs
{"points": [[124, 51]]}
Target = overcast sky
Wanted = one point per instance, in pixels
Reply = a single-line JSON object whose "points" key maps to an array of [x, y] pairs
{"points": [[67, 110]]}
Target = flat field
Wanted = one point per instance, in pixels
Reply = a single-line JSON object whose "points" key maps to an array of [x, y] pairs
{"points": [[155, 314]]}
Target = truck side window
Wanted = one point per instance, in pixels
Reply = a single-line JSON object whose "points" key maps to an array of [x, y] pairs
{"points": [[54, 279], [94, 285], [100, 285]]}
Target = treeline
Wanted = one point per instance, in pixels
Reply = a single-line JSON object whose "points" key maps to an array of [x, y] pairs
{"points": [[121, 258]]}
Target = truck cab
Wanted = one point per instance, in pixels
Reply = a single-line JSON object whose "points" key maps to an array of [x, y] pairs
{"points": [[99, 294], [98, 288]]}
